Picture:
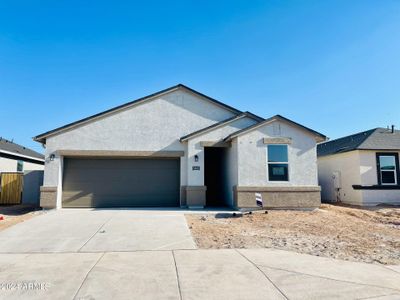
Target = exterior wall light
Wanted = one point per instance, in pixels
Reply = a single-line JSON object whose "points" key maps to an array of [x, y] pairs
{"points": [[52, 156], [196, 158]]}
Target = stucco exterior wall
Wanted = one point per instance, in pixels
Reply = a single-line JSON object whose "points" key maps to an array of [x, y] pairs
{"points": [[368, 166], [158, 124], [252, 156], [356, 168], [348, 164], [232, 171], [28, 166], [375, 197], [33, 180], [368, 171], [10, 165], [155, 125], [194, 147]]}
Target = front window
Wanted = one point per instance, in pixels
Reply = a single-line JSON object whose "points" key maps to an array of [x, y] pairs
{"points": [[387, 168], [278, 163], [20, 166]]}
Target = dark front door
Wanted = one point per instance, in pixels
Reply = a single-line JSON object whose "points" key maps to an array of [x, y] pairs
{"points": [[214, 173]]}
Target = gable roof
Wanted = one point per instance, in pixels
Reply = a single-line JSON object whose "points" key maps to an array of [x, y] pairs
{"points": [[373, 139], [42, 137], [12, 148], [319, 136], [220, 124]]}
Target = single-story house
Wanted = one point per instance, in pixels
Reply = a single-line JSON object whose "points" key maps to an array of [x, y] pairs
{"points": [[17, 158], [361, 169], [179, 147]]}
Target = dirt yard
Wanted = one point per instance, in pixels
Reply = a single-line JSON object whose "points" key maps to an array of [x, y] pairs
{"points": [[11, 215], [368, 235]]}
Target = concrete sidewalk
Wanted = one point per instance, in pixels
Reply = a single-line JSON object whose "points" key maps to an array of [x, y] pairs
{"points": [[193, 274]]}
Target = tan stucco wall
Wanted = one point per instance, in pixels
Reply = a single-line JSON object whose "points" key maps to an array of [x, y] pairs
{"points": [[48, 197], [195, 196], [278, 197]]}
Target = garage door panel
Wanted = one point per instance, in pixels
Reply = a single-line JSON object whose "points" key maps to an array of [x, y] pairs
{"points": [[120, 182], [77, 199]]}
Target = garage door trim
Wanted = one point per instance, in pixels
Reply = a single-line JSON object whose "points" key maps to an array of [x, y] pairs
{"points": [[121, 182]]}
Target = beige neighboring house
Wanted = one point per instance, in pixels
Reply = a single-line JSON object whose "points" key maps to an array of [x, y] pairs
{"points": [[361, 169], [180, 148], [17, 158]]}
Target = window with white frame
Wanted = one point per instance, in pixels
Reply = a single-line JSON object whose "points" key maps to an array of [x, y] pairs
{"points": [[278, 162], [387, 164]]}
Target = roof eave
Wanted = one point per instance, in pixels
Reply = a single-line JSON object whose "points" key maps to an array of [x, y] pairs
{"points": [[22, 155], [41, 138], [318, 136], [210, 128], [221, 124]]}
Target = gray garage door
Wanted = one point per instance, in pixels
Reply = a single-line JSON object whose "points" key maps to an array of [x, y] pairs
{"points": [[120, 182]]}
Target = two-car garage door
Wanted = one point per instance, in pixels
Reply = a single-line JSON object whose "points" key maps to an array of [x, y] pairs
{"points": [[120, 182]]}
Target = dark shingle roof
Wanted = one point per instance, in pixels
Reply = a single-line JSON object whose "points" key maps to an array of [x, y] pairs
{"points": [[6, 145], [373, 139]]}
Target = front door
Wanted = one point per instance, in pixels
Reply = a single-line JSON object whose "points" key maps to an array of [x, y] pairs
{"points": [[214, 176]]}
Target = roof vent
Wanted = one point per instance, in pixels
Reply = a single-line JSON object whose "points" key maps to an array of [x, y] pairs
{"points": [[392, 128]]}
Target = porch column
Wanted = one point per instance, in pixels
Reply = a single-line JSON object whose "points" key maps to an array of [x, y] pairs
{"points": [[195, 190]]}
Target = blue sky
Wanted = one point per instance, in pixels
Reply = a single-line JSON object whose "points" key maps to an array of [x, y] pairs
{"points": [[331, 65]]}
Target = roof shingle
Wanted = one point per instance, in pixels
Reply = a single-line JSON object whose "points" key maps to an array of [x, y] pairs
{"points": [[373, 139], [16, 149]]}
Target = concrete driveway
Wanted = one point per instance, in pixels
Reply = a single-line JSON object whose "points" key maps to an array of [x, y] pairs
{"points": [[85, 230], [83, 254]]}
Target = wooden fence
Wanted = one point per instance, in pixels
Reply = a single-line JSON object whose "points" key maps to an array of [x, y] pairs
{"points": [[11, 186]]}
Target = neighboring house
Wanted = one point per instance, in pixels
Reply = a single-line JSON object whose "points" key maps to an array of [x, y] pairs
{"points": [[361, 169], [17, 158], [178, 147]]}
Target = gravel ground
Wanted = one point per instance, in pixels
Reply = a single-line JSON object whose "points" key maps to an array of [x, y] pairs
{"points": [[367, 235]]}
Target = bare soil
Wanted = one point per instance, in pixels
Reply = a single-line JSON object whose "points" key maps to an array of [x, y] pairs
{"points": [[15, 214], [343, 232]]}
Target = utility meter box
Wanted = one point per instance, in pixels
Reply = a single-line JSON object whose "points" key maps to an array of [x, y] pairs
{"points": [[337, 181]]}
